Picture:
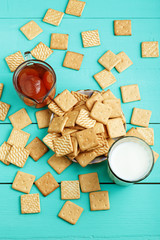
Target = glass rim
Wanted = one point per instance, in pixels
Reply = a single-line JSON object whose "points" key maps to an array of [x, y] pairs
{"points": [[146, 175], [23, 64]]}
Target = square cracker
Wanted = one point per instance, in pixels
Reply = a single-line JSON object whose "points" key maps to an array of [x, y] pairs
{"points": [[115, 128], [150, 49], [75, 8], [1, 89], [48, 139], [110, 142], [124, 63], [101, 112], [65, 100], [31, 30], [53, 17], [85, 158], [18, 156], [109, 60], [57, 125], [130, 93], [141, 117], [115, 105], [4, 108], [63, 145], [20, 119], [156, 156], [41, 52], [87, 139], [72, 116], [55, 109], [134, 133], [59, 41], [90, 38], [99, 200], [14, 60], [46, 184], [105, 78], [147, 134], [108, 95], [43, 118], [30, 203], [99, 128], [73, 60], [96, 96], [23, 182], [36, 149], [89, 182], [70, 190], [4, 151], [18, 138], [122, 27], [59, 164], [79, 96], [84, 120]]}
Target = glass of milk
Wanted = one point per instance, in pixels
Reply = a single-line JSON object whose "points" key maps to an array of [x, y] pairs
{"points": [[130, 160]]}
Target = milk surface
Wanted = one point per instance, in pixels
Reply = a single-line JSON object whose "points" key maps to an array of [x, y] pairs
{"points": [[130, 160]]}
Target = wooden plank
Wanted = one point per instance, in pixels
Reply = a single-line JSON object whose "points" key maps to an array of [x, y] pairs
{"points": [[93, 9], [39, 168], [133, 213], [145, 72]]}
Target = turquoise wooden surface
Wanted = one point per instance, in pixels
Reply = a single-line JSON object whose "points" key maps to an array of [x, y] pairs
{"points": [[134, 212]]}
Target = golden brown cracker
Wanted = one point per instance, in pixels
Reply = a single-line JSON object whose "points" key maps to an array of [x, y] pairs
{"points": [[4, 108], [43, 118], [53, 17], [36, 149], [109, 60], [156, 156], [57, 125], [4, 151], [147, 134], [141, 117], [101, 112], [55, 109], [20, 119], [41, 52], [23, 182], [150, 49], [31, 30], [122, 27], [90, 38], [18, 138], [115, 128], [30, 203], [89, 182], [70, 190], [48, 139], [59, 41], [105, 78], [85, 158], [130, 93], [59, 164], [1, 89], [79, 96], [108, 95], [124, 63], [75, 8], [73, 60], [14, 60], [115, 105], [84, 120], [99, 201], [72, 116], [18, 156], [96, 96], [63, 145], [87, 139]]}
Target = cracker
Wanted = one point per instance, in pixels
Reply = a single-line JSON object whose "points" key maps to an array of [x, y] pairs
{"points": [[57, 125], [115, 128], [36, 149], [99, 128], [23, 182], [18, 138], [70, 190], [59, 41], [43, 118], [63, 145], [108, 95], [72, 116], [79, 107], [4, 151], [75, 8], [48, 139], [134, 133], [103, 150], [70, 212], [110, 142], [122, 28], [41, 52], [90, 38], [73, 60], [1, 89], [30, 203], [109, 60], [20, 119], [105, 78], [156, 156], [46, 184], [96, 96], [79, 96], [68, 131], [101, 112], [150, 49], [4, 108], [65, 100], [53, 17], [130, 93], [85, 158], [99, 200], [18, 156], [59, 164], [55, 109], [84, 119], [115, 105], [87, 139], [141, 117], [75, 148], [31, 30], [89, 182], [124, 63], [14, 60], [147, 134]]}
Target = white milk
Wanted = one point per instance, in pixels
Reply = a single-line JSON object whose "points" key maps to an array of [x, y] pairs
{"points": [[131, 160]]}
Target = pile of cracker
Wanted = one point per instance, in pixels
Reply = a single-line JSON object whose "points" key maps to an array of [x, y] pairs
{"points": [[84, 127]]}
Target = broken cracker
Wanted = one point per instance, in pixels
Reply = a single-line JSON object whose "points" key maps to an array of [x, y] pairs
{"points": [[59, 164], [36, 149], [73, 60], [14, 60], [20, 119], [70, 190], [156, 156], [23, 182], [41, 52], [53, 17], [105, 78], [31, 30]]}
